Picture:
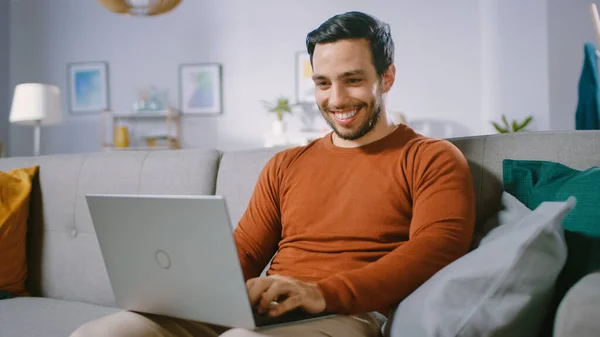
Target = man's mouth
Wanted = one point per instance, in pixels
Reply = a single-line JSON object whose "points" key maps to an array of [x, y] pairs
{"points": [[345, 116]]}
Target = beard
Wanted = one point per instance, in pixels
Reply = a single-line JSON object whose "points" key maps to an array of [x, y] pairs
{"points": [[372, 111]]}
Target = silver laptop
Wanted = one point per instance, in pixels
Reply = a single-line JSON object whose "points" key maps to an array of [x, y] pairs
{"points": [[176, 256]]}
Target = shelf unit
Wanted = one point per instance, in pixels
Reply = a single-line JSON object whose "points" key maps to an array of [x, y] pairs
{"points": [[171, 119]]}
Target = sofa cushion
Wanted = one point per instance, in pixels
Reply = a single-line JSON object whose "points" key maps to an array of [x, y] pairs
{"points": [[579, 310], [238, 173], [44, 317], [500, 288], [64, 258], [536, 181], [15, 192]]}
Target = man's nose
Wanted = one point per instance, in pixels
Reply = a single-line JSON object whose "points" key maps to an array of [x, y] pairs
{"points": [[338, 97]]}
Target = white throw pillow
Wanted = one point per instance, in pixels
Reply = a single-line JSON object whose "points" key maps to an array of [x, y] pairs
{"points": [[501, 288]]}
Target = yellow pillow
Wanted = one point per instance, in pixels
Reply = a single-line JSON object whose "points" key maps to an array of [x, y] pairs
{"points": [[15, 191]]}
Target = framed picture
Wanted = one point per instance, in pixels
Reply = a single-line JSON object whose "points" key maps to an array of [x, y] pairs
{"points": [[88, 87], [305, 87], [200, 88]]}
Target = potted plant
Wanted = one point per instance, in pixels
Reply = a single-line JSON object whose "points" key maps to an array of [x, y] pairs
{"points": [[514, 126], [280, 107]]}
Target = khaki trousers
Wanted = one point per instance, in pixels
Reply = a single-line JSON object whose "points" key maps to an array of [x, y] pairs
{"points": [[133, 324]]}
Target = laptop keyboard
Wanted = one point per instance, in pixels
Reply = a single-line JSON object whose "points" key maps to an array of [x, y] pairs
{"points": [[262, 320]]}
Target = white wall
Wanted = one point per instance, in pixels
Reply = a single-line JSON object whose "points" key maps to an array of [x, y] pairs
{"points": [[438, 69], [449, 65], [514, 51], [569, 28], [4, 66], [437, 60]]}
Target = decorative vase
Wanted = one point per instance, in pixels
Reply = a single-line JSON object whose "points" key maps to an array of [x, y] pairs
{"points": [[121, 137], [278, 127]]}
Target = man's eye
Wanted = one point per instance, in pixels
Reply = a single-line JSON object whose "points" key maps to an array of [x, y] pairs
{"points": [[354, 80], [321, 84]]}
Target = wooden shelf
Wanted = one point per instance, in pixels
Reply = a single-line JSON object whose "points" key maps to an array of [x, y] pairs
{"points": [[147, 115], [172, 130]]}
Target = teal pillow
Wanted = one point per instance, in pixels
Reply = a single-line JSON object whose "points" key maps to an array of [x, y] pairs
{"points": [[533, 182]]}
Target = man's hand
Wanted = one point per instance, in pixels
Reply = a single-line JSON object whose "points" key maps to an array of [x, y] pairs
{"points": [[290, 294]]}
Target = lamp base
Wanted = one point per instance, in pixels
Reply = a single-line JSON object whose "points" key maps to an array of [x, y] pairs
{"points": [[36, 137]]}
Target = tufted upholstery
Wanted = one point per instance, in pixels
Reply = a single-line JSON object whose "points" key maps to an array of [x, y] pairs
{"points": [[64, 257]]}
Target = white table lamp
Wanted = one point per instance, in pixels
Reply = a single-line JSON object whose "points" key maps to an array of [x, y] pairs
{"points": [[36, 104]]}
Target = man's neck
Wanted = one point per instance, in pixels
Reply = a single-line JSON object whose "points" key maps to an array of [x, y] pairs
{"points": [[384, 127]]}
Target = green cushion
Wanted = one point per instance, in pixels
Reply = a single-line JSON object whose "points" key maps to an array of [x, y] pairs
{"points": [[533, 182]]}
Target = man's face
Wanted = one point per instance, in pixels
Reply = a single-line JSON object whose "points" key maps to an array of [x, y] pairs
{"points": [[348, 90]]}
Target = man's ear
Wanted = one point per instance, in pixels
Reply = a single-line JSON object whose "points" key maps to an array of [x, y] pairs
{"points": [[387, 81]]}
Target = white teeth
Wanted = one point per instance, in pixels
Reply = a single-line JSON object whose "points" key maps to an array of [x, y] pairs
{"points": [[346, 115]]}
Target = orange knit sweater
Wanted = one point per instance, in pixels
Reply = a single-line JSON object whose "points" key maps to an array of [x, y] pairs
{"points": [[368, 225]]}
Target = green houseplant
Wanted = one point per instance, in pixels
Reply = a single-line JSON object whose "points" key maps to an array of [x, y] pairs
{"points": [[513, 126], [280, 107]]}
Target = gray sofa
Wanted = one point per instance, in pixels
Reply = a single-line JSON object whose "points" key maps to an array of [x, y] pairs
{"points": [[66, 270]]}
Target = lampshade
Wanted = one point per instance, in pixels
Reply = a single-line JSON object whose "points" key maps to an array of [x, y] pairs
{"points": [[34, 102], [140, 7]]}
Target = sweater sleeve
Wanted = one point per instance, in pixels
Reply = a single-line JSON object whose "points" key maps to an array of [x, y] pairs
{"points": [[259, 229], [441, 229]]}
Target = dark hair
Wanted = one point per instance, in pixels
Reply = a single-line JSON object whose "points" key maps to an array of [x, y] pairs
{"points": [[356, 25]]}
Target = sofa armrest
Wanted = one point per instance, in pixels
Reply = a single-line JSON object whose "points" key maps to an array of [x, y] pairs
{"points": [[579, 311]]}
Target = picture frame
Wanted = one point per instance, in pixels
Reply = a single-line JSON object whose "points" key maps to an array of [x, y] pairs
{"points": [[305, 86], [200, 88], [88, 87]]}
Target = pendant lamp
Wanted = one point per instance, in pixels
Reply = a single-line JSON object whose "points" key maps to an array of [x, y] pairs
{"points": [[140, 7]]}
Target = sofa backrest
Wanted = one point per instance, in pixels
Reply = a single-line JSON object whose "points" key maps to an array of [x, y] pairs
{"points": [[64, 258], [577, 149], [238, 173]]}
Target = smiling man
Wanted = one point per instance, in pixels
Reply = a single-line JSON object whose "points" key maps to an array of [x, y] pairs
{"points": [[354, 221], [351, 79]]}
